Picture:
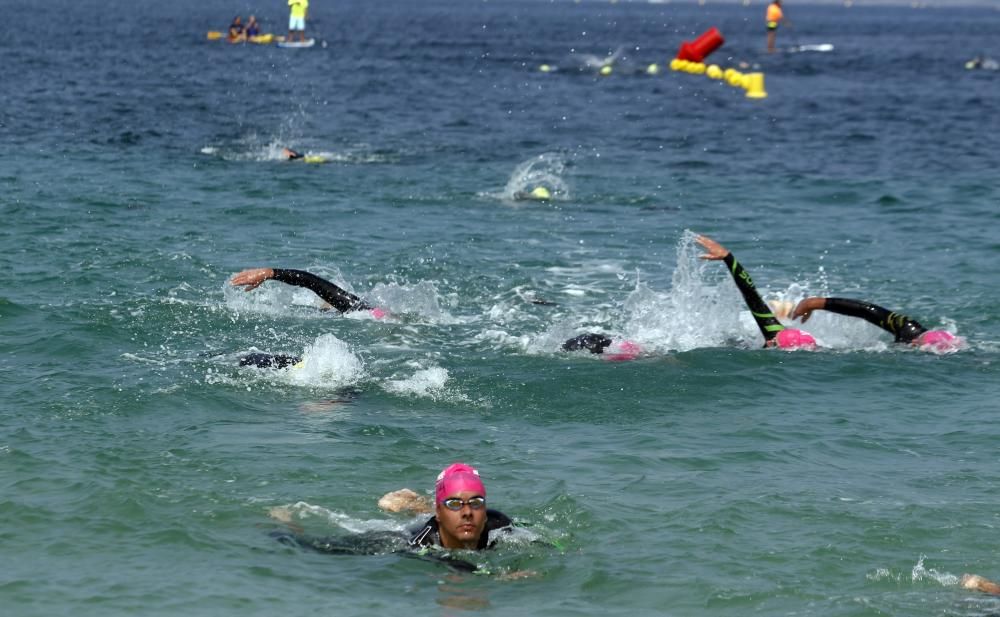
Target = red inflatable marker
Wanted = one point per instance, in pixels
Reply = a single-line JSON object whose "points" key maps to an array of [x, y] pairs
{"points": [[700, 48]]}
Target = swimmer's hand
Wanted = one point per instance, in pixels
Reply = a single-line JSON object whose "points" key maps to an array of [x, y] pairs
{"points": [[978, 583], [405, 500], [252, 278], [715, 251], [805, 308]]}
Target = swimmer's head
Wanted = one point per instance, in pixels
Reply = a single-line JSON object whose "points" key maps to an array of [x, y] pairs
{"points": [[938, 340], [594, 343], [457, 478], [622, 351], [792, 338]]}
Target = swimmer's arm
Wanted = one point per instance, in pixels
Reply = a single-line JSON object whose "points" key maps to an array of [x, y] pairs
{"points": [[762, 313], [978, 583], [872, 313], [338, 298]]}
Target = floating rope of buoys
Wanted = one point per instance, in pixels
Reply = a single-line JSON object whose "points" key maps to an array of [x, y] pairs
{"points": [[752, 83]]}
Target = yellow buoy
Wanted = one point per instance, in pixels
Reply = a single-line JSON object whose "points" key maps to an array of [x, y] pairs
{"points": [[675, 64], [606, 70], [713, 71], [653, 69], [545, 68], [754, 85]]}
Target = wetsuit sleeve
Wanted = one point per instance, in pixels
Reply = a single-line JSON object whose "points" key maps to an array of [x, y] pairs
{"points": [[762, 314], [338, 298], [900, 326]]}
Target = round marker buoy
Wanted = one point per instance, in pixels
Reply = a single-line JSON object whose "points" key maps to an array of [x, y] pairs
{"points": [[653, 69], [606, 70], [713, 71], [545, 68]]}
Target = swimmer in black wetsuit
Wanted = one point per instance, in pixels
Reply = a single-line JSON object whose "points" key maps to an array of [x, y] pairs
{"points": [[339, 299], [903, 328], [461, 522], [290, 154], [775, 334]]}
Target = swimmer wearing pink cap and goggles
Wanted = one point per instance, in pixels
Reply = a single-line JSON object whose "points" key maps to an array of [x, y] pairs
{"points": [[461, 519], [904, 329], [775, 334]]}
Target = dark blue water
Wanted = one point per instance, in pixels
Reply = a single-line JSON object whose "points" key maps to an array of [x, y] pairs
{"points": [[142, 168]]}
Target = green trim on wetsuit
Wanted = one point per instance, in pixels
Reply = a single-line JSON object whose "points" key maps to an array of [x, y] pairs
{"points": [[903, 328], [338, 298], [762, 314]]}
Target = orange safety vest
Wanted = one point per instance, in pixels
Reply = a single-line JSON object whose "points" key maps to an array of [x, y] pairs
{"points": [[774, 14]]}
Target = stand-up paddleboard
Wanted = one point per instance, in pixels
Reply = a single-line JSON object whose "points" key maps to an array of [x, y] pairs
{"points": [[822, 47], [297, 44]]}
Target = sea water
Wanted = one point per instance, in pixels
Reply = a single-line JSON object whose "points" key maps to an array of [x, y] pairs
{"points": [[141, 168]]}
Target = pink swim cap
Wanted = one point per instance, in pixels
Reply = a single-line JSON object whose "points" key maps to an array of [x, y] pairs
{"points": [[941, 340], [377, 313], [456, 478], [792, 338], [621, 351]]}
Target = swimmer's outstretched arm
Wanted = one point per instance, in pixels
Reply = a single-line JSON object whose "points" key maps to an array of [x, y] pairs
{"points": [[338, 298], [897, 324], [762, 313], [978, 583]]}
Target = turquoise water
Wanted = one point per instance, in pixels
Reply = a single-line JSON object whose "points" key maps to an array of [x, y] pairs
{"points": [[142, 169]]}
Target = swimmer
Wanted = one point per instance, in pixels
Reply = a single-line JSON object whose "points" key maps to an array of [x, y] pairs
{"points": [[461, 521], [539, 193], [335, 297], [903, 328], [978, 583], [291, 155], [607, 347], [775, 334], [980, 62]]}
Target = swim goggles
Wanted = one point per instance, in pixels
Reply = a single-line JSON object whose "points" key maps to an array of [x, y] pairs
{"points": [[455, 504]]}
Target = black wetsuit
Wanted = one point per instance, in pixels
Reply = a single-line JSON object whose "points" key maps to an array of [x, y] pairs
{"points": [[903, 328], [416, 544], [762, 314], [338, 298]]}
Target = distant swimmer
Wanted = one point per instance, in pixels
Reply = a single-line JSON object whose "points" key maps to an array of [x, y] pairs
{"points": [[292, 155], [978, 583], [903, 328], [461, 521], [337, 298], [773, 19], [985, 64], [297, 19], [605, 346], [539, 193], [775, 334]]}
